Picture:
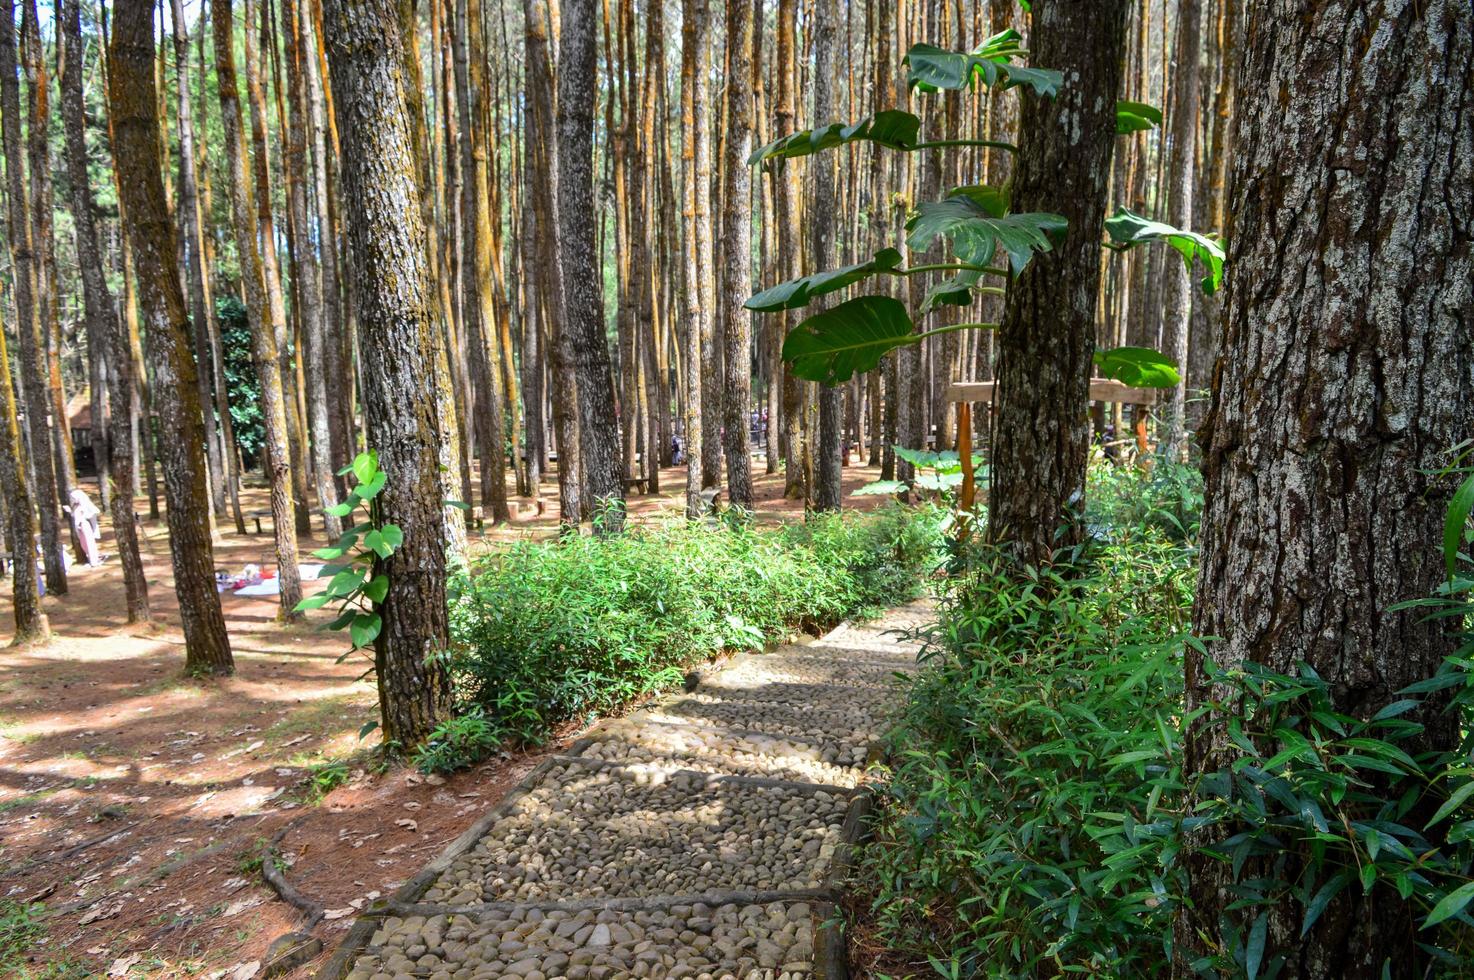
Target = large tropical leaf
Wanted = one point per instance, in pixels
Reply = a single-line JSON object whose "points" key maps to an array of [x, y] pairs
{"points": [[1133, 117], [832, 346], [889, 127], [955, 290], [932, 68], [1129, 229], [977, 234], [794, 293], [1139, 367]]}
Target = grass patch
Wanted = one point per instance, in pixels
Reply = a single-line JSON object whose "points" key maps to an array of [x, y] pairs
{"points": [[545, 633]]}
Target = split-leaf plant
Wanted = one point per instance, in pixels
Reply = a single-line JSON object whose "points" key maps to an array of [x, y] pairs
{"points": [[990, 244]]}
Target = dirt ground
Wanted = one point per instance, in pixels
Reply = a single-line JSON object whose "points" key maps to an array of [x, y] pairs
{"points": [[136, 803]]}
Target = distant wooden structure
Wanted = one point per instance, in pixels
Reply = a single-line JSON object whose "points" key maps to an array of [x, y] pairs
{"points": [[1101, 390]]}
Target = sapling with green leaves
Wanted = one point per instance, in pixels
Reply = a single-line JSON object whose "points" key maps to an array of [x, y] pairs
{"points": [[990, 243]]}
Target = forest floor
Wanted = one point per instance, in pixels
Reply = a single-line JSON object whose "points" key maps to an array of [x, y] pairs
{"points": [[136, 802]]}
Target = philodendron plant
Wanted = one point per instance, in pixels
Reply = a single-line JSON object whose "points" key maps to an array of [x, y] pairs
{"points": [[990, 244]]}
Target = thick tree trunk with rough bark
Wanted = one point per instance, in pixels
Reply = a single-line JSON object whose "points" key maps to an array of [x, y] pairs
{"points": [[1346, 374], [104, 327], [694, 21], [821, 221], [267, 319], [796, 482], [386, 250], [737, 252], [32, 374], [176, 397], [1042, 437], [583, 294]]}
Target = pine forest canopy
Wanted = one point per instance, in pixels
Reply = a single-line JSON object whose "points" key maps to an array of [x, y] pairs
{"points": [[404, 268]]}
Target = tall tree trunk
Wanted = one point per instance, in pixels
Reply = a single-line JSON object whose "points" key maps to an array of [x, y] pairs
{"points": [[31, 359], [795, 478], [1338, 395], [1182, 179], [543, 144], [583, 300], [1042, 438], [386, 248], [20, 518], [822, 249], [477, 304], [694, 15], [737, 252], [103, 324], [176, 397], [48, 296], [224, 479], [265, 315], [308, 285]]}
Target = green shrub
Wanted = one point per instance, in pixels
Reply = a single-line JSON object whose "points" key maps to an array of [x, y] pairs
{"points": [[1025, 831], [1167, 497], [459, 742], [544, 633]]}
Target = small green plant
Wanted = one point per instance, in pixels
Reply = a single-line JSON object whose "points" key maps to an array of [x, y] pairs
{"points": [[20, 928], [359, 584], [325, 777], [460, 742]]}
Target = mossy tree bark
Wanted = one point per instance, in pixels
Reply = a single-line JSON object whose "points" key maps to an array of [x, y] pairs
{"points": [[176, 393], [1346, 374], [1042, 437], [396, 318]]}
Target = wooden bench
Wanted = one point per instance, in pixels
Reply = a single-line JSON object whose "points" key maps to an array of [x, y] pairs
{"points": [[256, 516], [636, 483]]}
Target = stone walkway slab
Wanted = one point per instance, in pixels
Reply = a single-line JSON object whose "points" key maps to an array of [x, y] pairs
{"points": [[704, 836]]}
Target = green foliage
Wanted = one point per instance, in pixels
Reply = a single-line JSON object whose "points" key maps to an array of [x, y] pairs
{"points": [[1166, 499], [1128, 229], [975, 224], [1133, 117], [545, 633], [990, 63], [20, 928], [359, 581], [1140, 367], [830, 347], [1026, 831], [242, 384], [325, 777], [798, 292], [939, 473], [1311, 802], [891, 128], [462, 741]]}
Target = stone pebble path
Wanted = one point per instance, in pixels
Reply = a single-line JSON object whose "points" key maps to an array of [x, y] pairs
{"points": [[703, 837]]}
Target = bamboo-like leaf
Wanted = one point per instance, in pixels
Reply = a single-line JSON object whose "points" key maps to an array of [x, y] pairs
{"points": [[1129, 229], [977, 235], [932, 69], [891, 128], [1133, 117], [798, 292], [832, 346], [1139, 367], [1455, 520]]}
